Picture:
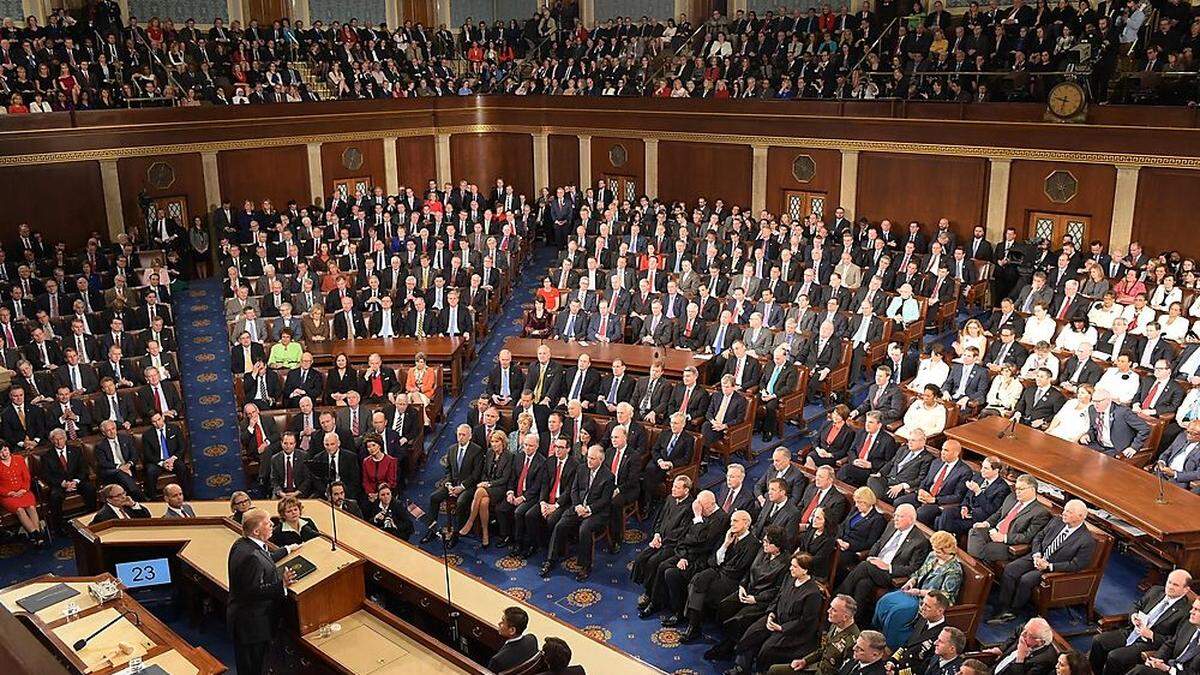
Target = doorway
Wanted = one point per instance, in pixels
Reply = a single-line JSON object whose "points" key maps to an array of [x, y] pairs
{"points": [[798, 204], [1053, 226], [625, 187]]}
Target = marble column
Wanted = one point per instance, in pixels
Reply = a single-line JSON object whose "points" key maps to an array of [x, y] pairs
{"points": [[651, 168], [113, 209], [999, 171], [316, 178], [848, 192], [1124, 197], [585, 163], [758, 180]]}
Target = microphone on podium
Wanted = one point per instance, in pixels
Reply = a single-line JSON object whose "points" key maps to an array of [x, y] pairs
{"points": [[82, 642], [1010, 429]]}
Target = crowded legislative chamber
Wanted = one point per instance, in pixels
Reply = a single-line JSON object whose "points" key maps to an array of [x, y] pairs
{"points": [[445, 337]]}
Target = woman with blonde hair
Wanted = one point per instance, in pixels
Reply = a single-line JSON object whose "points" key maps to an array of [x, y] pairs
{"points": [[524, 427], [497, 474], [292, 527], [940, 574]]}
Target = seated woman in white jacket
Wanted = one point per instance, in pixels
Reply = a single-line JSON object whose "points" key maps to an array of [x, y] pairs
{"points": [[1041, 357], [1078, 331], [926, 413], [1005, 392], [1074, 419], [933, 370], [1174, 324], [1040, 327]]}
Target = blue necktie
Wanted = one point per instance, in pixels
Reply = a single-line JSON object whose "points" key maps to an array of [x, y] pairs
{"points": [[162, 442]]}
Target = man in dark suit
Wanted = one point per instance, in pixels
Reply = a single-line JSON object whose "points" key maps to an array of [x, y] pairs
{"points": [[1016, 522], [783, 468], [884, 397], [256, 586], [554, 499], [263, 387], [464, 466], [726, 409], [591, 499], [332, 464], [824, 495], [944, 485], [518, 646], [303, 380], [1039, 401], [1181, 652], [118, 505], [651, 395], [1030, 652], [1155, 618], [616, 388], [290, 476], [580, 384], [65, 471], [867, 655], [1006, 350], [865, 330], [529, 478], [822, 353], [244, 354], [162, 452], [968, 381], [903, 472], [778, 380], [689, 398], [673, 448], [871, 448], [1158, 395], [1079, 369], [624, 461], [899, 552], [544, 378], [160, 397], [506, 380], [1064, 545], [1180, 462], [1115, 430], [778, 509], [23, 425]]}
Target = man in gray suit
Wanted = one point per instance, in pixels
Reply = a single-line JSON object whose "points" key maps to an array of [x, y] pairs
{"points": [[1065, 545], [1115, 430], [1018, 521], [757, 337], [1037, 291], [252, 324]]}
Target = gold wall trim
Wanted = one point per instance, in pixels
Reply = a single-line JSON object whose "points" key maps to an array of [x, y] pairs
{"points": [[983, 152]]}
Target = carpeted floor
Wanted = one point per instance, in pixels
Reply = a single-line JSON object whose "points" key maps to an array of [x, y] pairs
{"points": [[604, 607]]}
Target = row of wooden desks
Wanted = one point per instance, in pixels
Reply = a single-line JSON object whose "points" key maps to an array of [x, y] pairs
{"points": [[1119, 488], [637, 358], [449, 352], [399, 567], [136, 633]]}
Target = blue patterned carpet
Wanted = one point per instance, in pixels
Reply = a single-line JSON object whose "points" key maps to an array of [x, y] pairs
{"points": [[604, 607]]}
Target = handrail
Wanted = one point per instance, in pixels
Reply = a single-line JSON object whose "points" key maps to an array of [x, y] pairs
{"points": [[879, 39]]}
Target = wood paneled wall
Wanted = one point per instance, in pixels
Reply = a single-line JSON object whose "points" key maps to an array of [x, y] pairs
{"points": [[1164, 216], [923, 188], [63, 201], [189, 183], [416, 162], [1027, 192], [563, 158], [482, 158], [279, 174], [710, 170], [334, 168], [826, 180], [634, 166]]}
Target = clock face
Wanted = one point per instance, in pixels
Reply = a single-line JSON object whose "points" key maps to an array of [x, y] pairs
{"points": [[1067, 99]]}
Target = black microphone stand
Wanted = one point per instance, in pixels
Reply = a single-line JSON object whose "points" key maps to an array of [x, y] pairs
{"points": [[83, 642], [333, 517], [455, 640]]}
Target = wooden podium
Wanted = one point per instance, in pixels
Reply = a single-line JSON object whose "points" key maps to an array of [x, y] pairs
{"points": [[336, 588], [47, 642]]}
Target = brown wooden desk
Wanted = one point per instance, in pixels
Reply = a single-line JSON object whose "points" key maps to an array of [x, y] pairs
{"points": [[145, 636], [402, 569], [637, 358], [1115, 486], [447, 351]]}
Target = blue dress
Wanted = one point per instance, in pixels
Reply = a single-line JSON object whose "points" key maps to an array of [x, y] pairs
{"points": [[895, 612]]}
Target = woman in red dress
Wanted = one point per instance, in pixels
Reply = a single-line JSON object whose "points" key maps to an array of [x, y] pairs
{"points": [[16, 495]]}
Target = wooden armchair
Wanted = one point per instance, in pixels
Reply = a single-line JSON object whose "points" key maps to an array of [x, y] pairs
{"points": [[972, 597], [737, 438], [1066, 589], [914, 333], [792, 405], [839, 376], [976, 293]]}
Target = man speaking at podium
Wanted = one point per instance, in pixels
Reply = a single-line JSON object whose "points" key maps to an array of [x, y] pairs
{"points": [[255, 585]]}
